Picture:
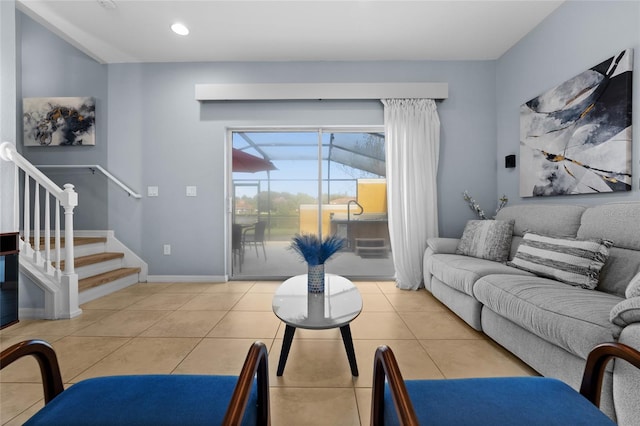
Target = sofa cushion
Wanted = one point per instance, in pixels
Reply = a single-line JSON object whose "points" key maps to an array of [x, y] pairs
{"points": [[620, 223], [563, 219], [633, 288], [626, 312], [145, 400], [618, 271], [461, 272], [570, 317], [486, 239], [496, 401], [574, 262], [617, 222]]}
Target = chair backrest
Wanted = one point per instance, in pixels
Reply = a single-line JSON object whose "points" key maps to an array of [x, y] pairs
{"points": [[386, 370], [236, 236], [259, 231], [254, 370]]}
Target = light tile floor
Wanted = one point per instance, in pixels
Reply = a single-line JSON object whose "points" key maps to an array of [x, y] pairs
{"points": [[206, 328]]}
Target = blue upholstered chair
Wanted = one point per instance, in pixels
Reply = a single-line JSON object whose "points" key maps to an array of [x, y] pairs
{"points": [[492, 401], [150, 399]]}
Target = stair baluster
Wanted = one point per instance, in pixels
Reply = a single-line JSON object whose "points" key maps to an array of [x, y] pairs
{"points": [[61, 297]]}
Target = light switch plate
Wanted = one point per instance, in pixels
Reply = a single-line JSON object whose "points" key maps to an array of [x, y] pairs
{"points": [[192, 191], [152, 191]]}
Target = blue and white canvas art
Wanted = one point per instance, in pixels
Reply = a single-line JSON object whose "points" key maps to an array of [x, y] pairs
{"points": [[59, 121], [576, 137]]}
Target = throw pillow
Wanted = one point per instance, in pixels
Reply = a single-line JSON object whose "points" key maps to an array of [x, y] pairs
{"points": [[626, 312], [486, 239], [571, 261], [633, 289]]}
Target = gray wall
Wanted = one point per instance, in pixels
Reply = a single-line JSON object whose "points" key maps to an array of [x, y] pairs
{"points": [[151, 131], [575, 37], [51, 67], [7, 109], [159, 135]]}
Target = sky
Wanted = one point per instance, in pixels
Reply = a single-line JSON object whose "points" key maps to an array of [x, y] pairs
{"points": [[295, 156]]}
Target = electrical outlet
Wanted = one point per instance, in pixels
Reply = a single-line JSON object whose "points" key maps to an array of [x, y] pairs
{"points": [[167, 249], [152, 191]]}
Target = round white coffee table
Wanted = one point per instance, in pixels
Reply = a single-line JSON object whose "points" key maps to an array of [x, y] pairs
{"points": [[340, 304]]}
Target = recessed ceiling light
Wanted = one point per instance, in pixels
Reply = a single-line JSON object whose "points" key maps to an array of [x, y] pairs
{"points": [[180, 29]]}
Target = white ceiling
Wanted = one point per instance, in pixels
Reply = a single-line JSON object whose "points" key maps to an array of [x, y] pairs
{"points": [[294, 30]]}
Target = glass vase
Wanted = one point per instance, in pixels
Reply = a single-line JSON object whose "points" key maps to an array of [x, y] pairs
{"points": [[315, 278]]}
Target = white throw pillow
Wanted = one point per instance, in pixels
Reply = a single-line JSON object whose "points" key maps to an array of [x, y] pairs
{"points": [[633, 289]]}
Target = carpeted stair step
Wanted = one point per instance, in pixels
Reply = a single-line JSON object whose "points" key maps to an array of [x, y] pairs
{"points": [[107, 277], [93, 259]]}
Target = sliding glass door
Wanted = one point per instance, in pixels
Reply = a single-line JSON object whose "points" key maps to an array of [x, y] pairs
{"points": [[319, 181]]}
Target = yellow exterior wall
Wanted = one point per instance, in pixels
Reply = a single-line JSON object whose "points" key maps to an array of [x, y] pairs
{"points": [[372, 195], [309, 217]]}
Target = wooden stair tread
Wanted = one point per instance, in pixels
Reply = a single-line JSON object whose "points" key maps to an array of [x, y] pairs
{"points": [[77, 241], [93, 258], [104, 278]]}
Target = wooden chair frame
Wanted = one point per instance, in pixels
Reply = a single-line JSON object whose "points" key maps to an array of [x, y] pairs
{"points": [[254, 364], [386, 367]]}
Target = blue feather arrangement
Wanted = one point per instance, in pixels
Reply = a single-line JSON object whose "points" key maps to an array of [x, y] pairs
{"points": [[315, 251]]}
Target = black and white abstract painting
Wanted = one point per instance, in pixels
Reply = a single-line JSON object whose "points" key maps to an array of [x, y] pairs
{"points": [[59, 121], [576, 137]]}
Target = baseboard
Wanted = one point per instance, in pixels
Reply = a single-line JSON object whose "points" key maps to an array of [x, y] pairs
{"points": [[186, 278], [31, 313]]}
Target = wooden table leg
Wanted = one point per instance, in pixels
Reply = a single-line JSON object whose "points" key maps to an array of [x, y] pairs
{"points": [[286, 346], [348, 345]]}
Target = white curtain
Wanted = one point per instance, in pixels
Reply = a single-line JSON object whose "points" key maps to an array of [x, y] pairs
{"points": [[412, 143]]}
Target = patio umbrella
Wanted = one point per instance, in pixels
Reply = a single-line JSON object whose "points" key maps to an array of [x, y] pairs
{"points": [[248, 163]]}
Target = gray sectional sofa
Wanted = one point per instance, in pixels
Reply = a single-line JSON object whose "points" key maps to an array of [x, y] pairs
{"points": [[548, 324]]}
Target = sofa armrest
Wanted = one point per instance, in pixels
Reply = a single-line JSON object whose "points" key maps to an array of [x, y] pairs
{"points": [[443, 245], [626, 380], [626, 312]]}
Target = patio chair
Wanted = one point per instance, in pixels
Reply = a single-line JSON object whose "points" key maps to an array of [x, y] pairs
{"points": [[150, 399], [254, 236], [492, 401], [236, 245]]}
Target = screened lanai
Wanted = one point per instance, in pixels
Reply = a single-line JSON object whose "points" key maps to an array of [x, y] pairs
{"points": [[319, 181]]}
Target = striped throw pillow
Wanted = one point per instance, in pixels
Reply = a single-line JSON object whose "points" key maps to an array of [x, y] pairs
{"points": [[571, 261]]}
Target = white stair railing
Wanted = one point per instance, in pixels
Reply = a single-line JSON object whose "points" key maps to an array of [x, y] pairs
{"points": [[61, 294], [94, 168]]}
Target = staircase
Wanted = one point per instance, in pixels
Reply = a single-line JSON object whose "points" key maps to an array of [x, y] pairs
{"points": [[67, 277], [99, 270]]}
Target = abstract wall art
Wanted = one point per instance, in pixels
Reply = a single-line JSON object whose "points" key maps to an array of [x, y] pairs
{"points": [[576, 137], [59, 121]]}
